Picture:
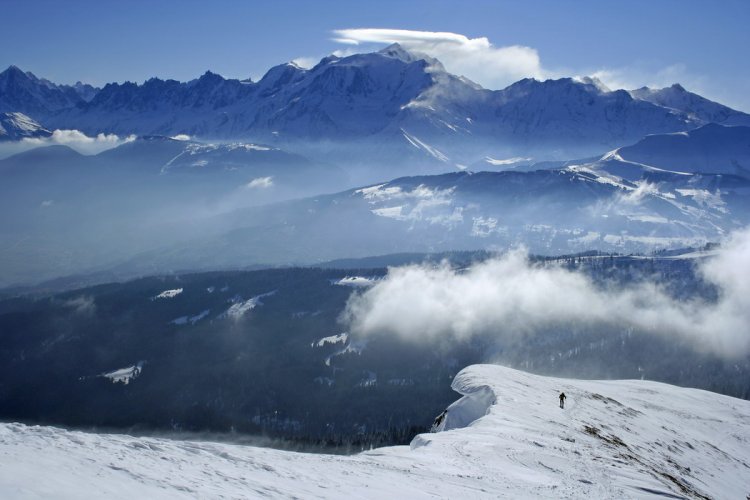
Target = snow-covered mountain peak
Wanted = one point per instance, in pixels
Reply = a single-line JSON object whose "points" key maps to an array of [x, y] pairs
{"points": [[557, 89], [586, 83], [702, 110], [388, 59], [329, 59], [594, 82], [397, 51], [280, 76]]}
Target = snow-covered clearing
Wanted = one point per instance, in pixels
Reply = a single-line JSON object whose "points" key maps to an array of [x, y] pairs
{"points": [[168, 294]]}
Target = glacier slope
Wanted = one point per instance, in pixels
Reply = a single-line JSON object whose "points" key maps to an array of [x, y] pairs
{"points": [[614, 439]]}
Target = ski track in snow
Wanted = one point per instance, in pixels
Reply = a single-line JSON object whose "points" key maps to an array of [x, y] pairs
{"points": [[505, 438]]}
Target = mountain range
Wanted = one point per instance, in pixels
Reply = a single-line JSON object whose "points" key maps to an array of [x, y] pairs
{"points": [[628, 200], [393, 105], [370, 154], [170, 205]]}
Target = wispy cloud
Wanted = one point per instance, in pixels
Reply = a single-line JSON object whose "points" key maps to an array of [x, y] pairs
{"points": [[83, 305], [305, 62], [511, 297], [260, 183], [475, 58], [636, 76]]}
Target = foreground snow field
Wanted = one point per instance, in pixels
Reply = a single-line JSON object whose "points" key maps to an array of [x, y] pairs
{"points": [[506, 437]]}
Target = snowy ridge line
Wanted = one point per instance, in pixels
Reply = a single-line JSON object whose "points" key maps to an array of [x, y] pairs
{"points": [[614, 440], [657, 429]]}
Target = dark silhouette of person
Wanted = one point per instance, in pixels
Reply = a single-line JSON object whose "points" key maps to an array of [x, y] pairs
{"points": [[439, 420], [562, 399]]}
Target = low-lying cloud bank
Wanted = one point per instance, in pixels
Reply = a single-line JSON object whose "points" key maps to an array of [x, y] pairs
{"points": [[511, 298], [74, 139]]}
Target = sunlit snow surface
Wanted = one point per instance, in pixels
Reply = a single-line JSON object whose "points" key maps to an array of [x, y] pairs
{"points": [[614, 439], [125, 375], [341, 338], [168, 294], [356, 281]]}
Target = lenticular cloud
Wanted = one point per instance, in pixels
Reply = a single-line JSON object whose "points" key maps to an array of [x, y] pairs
{"points": [[512, 297]]}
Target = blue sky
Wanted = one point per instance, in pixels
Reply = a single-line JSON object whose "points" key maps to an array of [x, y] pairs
{"points": [[702, 44]]}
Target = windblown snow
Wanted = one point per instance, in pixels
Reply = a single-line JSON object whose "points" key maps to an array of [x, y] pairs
{"points": [[506, 437]]}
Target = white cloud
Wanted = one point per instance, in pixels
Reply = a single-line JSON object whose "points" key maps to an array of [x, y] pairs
{"points": [[636, 76], [345, 52], [82, 305], [74, 139], [305, 62], [181, 137], [476, 58], [260, 183], [512, 297]]}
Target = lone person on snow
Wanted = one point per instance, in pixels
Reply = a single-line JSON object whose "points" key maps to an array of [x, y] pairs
{"points": [[562, 400]]}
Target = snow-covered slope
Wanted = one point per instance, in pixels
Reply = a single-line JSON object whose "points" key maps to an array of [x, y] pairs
{"points": [[507, 438], [567, 111], [608, 205], [711, 149], [145, 183], [666, 191], [694, 105], [15, 126]]}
